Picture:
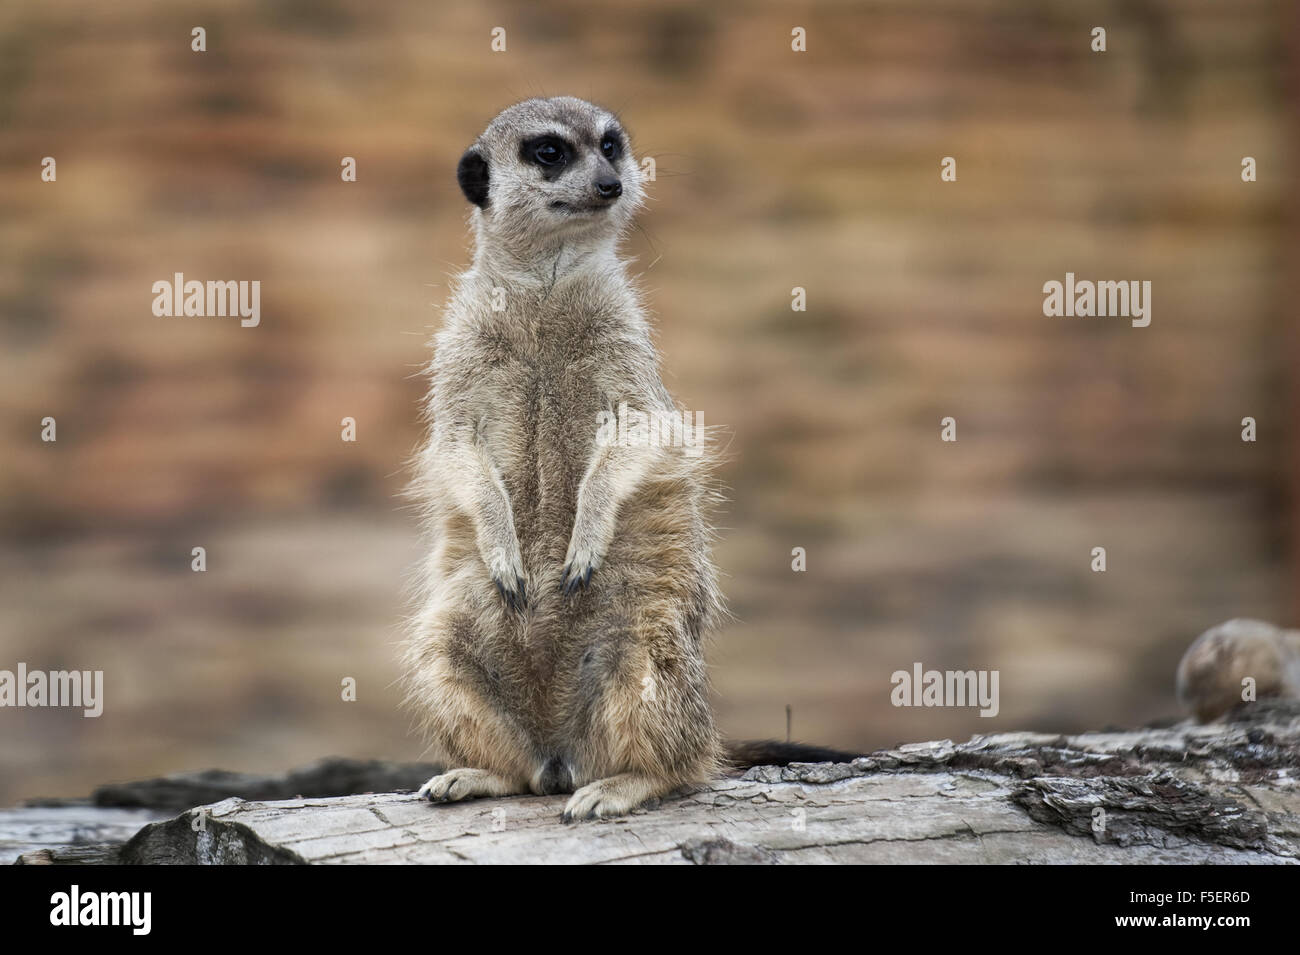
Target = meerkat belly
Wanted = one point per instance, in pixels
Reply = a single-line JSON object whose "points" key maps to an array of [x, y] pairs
{"points": [[549, 444]]}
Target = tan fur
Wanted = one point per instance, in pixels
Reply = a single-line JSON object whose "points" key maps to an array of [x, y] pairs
{"points": [[1211, 672], [515, 489]]}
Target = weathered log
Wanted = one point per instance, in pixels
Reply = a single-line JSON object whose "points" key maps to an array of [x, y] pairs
{"points": [[1187, 793], [85, 831], [1224, 793], [68, 832]]}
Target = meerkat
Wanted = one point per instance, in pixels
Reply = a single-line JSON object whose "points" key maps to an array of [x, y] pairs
{"points": [[558, 646], [1222, 663]]}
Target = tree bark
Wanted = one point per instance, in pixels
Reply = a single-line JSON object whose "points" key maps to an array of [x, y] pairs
{"points": [[1222, 793]]}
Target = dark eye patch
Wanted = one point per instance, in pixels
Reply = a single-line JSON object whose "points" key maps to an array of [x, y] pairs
{"points": [[611, 144], [551, 153]]}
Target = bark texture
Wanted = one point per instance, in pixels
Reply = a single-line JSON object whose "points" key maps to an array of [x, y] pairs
{"points": [[1187, 793]]}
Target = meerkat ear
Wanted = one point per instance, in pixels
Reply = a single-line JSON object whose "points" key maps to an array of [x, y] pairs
{"points": [[472, 174]]}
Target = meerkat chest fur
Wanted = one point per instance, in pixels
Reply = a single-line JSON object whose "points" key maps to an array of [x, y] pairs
{"points": [[537, 376], [569, 585]]}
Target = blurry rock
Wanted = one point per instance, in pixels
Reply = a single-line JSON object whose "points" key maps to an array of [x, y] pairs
{"points": [[1214, 672]]}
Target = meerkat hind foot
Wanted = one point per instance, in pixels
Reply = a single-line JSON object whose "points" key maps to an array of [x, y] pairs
{"points": [[457, 784], [614, 796]]}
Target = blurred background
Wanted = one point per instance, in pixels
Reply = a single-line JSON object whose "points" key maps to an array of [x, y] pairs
{"points": [[775, 170]]}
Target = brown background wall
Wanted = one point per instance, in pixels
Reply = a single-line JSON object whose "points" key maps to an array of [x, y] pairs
{"points": [[776, 170]]}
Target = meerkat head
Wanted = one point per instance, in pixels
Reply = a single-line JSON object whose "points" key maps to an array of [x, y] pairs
{"points": [[547, 172]]}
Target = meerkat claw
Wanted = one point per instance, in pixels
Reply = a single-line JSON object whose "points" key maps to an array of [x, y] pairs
{"points": [[575, 579], [515, 598]]}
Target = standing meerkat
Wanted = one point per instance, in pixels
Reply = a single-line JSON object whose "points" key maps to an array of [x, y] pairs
{"points": [[564, 603]]}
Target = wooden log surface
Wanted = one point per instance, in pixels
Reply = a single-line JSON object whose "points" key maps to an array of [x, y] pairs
{"points": [[1219, 793]]}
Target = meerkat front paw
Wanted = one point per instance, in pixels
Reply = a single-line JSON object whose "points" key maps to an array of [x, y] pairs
{"points": [[579, 565], [515, 596], [457, 784], [508, 574], [576, 576]]}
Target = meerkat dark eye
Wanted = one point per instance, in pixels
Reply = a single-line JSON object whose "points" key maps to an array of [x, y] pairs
{"points": [[610, 148], [548, 153]]}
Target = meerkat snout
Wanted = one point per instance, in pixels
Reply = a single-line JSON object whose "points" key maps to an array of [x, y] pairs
{"points": [[608, 187]]}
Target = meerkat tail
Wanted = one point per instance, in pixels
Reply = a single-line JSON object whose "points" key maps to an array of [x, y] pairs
{"points": [[766, 752]]}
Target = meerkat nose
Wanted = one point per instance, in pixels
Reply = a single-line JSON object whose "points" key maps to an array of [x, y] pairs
{"points": [[609, 188]]}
